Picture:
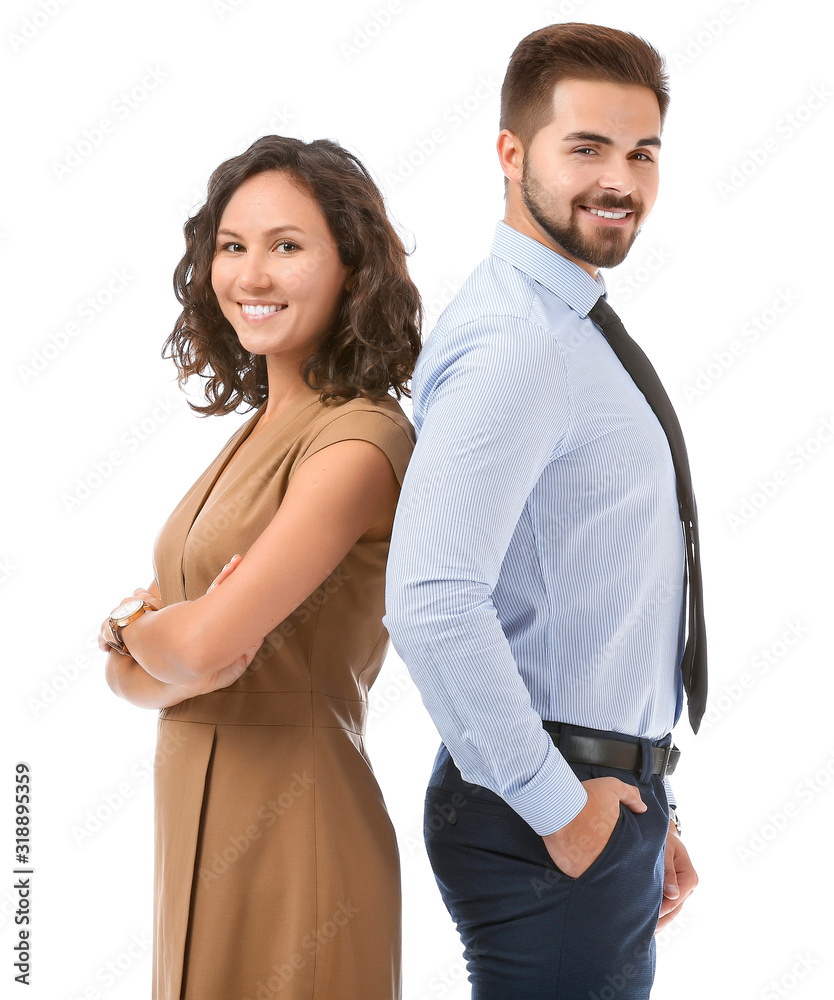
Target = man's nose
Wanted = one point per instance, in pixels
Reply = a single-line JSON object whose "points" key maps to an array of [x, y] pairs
{"points": [[619, 178]]}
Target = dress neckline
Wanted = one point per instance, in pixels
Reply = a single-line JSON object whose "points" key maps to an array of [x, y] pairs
{"points": [[278, 423]]}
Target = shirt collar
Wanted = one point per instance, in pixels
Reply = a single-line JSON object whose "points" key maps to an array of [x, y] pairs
{"points": [[558, 274]]}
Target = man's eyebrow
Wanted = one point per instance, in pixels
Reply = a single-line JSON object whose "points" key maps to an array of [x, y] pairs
{"points": [[604, 140]]}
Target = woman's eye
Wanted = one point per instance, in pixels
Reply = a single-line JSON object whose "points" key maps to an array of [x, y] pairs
{"points": [[232, 247], [287, 246]]}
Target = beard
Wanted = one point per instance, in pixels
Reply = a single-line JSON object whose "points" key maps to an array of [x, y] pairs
{"points": [[605, 248]]}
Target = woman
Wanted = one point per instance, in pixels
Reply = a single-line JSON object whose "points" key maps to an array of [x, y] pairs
{"points": [[276, 863]]}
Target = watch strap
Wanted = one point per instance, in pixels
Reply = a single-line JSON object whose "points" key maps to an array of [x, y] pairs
{"points": [[116, 626], [115, 642]]}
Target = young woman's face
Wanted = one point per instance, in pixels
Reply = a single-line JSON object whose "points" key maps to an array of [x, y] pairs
{"points": [[276, 271]]}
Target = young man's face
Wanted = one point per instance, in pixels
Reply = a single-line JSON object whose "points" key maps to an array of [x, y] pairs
{"points": [[599, 154]]}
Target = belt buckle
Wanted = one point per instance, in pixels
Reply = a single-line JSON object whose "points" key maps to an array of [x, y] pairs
{"points": [[667, 753]]}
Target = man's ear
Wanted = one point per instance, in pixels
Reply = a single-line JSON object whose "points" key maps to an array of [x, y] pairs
{"points": [[510, 155]]}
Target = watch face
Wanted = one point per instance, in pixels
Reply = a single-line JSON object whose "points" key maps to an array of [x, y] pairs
{"points": [[127, 609]]}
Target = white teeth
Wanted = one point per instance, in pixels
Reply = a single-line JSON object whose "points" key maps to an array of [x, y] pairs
{"points": [[607, 215], [259, 310]]}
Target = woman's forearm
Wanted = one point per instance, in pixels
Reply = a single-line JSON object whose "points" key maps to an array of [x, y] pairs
{"points": [[143, 676], [159, 643], [166, 646], [129, 680]]}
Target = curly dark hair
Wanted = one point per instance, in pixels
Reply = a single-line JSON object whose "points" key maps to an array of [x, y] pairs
{"points": [[374, 341]]}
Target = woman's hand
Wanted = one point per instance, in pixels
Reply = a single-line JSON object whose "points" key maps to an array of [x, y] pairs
{"points": [[129, 680], [226, 572], [220, 678]]}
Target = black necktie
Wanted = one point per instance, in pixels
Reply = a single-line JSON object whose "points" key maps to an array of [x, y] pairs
{"points": [[635, 362]]}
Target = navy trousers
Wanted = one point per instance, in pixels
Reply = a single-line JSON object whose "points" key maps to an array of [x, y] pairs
{"points": [[529, 931]]}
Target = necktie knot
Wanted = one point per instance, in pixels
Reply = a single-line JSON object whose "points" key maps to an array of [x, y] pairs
{"points": [[607, 320], [601, 312]]}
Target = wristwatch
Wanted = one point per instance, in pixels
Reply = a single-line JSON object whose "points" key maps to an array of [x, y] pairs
{"points": [[123, 615], [673, 818]]}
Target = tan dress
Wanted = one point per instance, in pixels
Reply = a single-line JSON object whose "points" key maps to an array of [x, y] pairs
{"points": [[277, 872]]}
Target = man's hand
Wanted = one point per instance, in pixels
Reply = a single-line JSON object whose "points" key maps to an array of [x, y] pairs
{"points": [[576, 846], [679, 878]]}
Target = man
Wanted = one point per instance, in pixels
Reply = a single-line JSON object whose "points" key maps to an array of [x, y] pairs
{"points": [[537, 579]]}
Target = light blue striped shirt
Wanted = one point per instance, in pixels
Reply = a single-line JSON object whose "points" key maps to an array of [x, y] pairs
{"points": [[537, 563]]}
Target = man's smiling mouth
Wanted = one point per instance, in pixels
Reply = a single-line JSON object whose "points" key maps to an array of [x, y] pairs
{"points": [[607, 214]]}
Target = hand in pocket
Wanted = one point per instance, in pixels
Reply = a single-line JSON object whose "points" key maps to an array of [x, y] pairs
{"points": [[577, 845]]}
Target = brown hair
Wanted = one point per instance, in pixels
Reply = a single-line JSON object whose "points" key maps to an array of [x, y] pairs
{"points": [[578, 52], [374, 341]]}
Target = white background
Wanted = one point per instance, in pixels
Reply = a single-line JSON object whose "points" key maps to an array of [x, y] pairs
{"points": [[99, 444]]}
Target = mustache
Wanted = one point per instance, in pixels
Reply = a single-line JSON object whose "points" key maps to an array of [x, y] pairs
{"points": [[609, 203]]}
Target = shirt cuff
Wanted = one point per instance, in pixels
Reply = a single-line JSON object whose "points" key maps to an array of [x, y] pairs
{"points": [[552, 798]]}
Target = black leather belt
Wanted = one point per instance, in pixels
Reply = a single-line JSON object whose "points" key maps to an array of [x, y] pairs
{"points": [[577, 749]]}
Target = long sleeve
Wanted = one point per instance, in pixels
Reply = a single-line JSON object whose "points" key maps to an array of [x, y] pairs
{"points": [[495, 407]]}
